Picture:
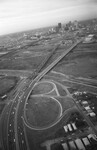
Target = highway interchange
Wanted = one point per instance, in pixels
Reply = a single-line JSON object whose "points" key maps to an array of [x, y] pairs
{"points": [[13, 123]]}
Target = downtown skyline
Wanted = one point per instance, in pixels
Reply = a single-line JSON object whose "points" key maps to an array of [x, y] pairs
{"points": [[20, 15]]}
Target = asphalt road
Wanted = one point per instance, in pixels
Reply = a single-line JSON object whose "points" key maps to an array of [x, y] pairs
{"points": [[21, 104], [17, 139]]}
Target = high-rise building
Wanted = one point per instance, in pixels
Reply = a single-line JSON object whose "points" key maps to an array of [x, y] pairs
{"points": [[76, 24], [57, 29], [59, 25]]}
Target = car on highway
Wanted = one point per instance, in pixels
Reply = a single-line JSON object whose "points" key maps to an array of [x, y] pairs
{"points": [[91, 38]]}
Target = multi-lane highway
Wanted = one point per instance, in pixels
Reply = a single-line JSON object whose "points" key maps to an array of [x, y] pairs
{"points": [[14, 136]]}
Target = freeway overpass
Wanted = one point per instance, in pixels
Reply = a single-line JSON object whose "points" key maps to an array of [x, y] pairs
{"points": [[15, 126]]}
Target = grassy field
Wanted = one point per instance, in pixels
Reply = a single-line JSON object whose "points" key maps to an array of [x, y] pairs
{"points": [[40, 136], [7, 84], [21, 63], [81, 62], [61, 91], [79, 87], [66, 103], [42, 88], [42, 111]]}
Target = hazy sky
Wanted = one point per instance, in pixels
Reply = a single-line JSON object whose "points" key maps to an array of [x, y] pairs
{"points": [[18, 15]]}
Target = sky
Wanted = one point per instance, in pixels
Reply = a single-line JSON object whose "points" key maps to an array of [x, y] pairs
{"points": [[20, 15]]}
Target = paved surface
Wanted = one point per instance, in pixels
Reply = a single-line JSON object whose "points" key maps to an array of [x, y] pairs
{"points": [[14, 137]]}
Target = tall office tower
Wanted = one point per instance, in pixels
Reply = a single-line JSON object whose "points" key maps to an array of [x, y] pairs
{"points": [[59, 25]]}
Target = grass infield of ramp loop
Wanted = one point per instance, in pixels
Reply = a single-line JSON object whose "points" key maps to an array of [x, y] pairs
{"points": [[42, 88], [42, 112]]}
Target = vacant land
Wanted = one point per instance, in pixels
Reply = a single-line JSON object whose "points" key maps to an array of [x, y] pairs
{"points": [[42, 88], [81, 62], [61, 91], [21, 63], [6, 85], [42, 111]]}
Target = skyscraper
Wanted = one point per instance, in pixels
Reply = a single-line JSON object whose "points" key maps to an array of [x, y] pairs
{"points": [[59, 25]]}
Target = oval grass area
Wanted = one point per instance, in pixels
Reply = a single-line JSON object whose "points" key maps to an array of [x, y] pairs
{"points": [[42, 88], [41, 112]]}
